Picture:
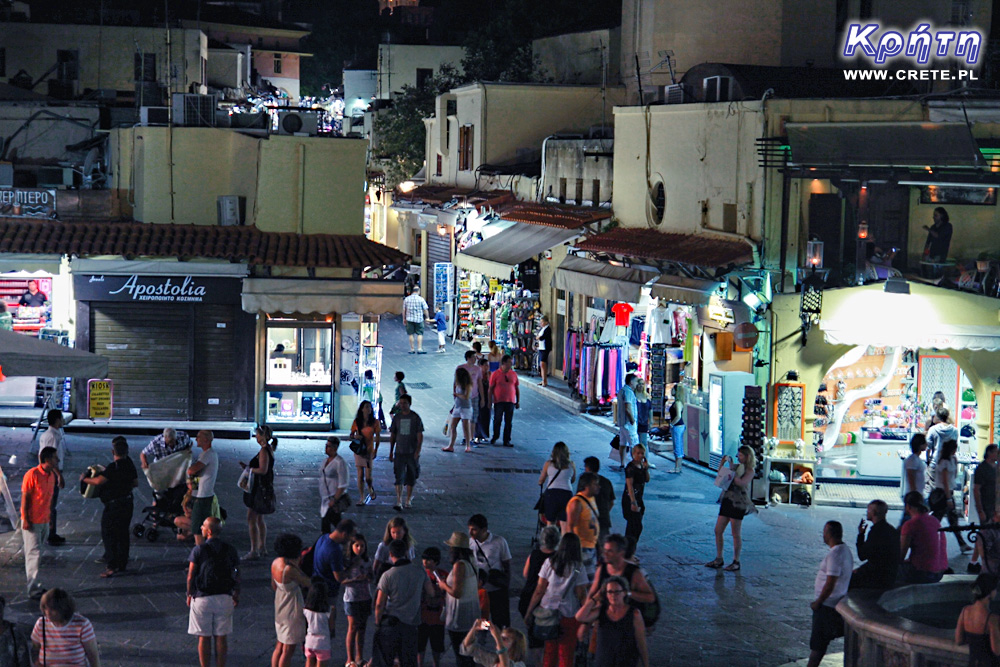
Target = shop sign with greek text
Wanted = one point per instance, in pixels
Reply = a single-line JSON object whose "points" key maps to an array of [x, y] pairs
{"points": [[27, 203], [156, 289]]}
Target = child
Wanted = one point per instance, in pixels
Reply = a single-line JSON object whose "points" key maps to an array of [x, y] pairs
{"points": [[400, 390], [183, 522], [357, 597], [317, 613], [442, 326], [431, 623]]}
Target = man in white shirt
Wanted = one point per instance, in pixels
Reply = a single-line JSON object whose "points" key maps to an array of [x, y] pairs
{"points": [[203, 472], [53, 437], [914, 472], [832, 581], [472, 366], [492, 556]]}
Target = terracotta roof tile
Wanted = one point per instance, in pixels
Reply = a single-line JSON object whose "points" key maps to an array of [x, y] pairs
{"points": [[552, 215], [696, 249], [237, 244]]}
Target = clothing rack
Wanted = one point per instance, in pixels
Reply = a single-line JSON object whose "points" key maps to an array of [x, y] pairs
{"points": [[602, 371]]}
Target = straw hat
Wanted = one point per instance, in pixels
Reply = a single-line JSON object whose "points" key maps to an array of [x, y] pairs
{"points": [[458, 539]]}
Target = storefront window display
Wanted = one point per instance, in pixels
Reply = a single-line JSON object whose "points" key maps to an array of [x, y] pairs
{"points": [[299, 371], [876, 398]]}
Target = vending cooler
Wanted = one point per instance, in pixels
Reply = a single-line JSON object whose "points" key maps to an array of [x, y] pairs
{"points": [[725, 413]]}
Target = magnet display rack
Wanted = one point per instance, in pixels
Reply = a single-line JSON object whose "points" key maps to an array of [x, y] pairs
{"points": [[524, 324]]}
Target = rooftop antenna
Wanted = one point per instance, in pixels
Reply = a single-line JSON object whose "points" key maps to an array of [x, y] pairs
{"points": [[666, 60]]}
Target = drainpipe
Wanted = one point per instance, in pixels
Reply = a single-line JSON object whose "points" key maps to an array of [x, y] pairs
{"points": [[540, 191], [785, 186], [301, 149]]}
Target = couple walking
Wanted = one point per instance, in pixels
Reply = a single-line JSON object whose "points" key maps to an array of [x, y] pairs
{"points": [[473, 392]]}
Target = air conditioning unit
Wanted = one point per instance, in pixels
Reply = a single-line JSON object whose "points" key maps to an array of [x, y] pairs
{"points": [[718, 88], [652, 95], [54, 177], [154, 116], [232, 210], [298, 123], [194, 110], [677, 93]]}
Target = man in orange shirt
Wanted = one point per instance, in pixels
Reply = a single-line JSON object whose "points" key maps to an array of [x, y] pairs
{"points": [[37, 488], [583, 519]]}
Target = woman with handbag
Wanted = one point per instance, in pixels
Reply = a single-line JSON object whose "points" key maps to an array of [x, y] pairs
{"points": [[333, 498], [558, 477], [562, 587], [260, 498], [461, 604], [943, 501], [365, 438], [548, 542], [736, 504], [621, 633]]}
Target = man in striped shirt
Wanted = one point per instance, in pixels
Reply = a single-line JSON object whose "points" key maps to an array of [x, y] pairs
{"points": [[415, 312]]}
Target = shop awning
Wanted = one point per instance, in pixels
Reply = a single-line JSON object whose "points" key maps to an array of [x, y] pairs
{"points": [[904, 144], [600, 279], [497, 256], [679, 289], [289, 295], [702, 250], [902, 330], [22, 355]]}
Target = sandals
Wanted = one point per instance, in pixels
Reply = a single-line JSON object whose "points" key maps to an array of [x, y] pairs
{"points": [[732, 567], [715, 564]]}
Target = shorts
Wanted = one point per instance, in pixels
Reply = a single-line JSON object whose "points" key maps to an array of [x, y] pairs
{"points": [[461, 413], [359, 610], [406, 470], [211, 616], [201, 509], [433, 634], [414, 328], [554, 504], [627, 437], [362, 462], [543, 356], [588, 558], [440, 339], [321, 655], [827, 626], [730, 511]]}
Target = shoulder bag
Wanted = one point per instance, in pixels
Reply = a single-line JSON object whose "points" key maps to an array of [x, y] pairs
{"points": [[358, 447], [493, 577], [545, 623], [540, 505]]}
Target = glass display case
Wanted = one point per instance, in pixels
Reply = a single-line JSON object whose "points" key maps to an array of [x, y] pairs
{"points": [[299, 372]]}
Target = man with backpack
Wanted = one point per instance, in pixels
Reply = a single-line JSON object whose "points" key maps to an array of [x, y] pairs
{"points": [[213, 590]]}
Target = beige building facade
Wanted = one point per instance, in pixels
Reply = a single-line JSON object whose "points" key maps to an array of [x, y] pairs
{"points": [[303, 185]]}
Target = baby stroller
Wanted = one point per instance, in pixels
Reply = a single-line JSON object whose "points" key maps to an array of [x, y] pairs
{"points": [[168, 479]]}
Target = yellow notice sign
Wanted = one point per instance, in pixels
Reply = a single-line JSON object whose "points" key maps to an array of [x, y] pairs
{"points": [[99, 398], [494, 285]]}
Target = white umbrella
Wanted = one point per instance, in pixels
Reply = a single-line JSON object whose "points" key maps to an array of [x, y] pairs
{"points": [[22, 355]]}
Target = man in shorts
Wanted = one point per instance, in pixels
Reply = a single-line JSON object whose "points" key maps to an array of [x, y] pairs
{"points": [[406, 438], [213, 591], [415, 313], [832, 582], [203, 474]]}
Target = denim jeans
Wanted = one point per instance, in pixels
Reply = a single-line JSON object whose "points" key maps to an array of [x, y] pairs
{"points": [[502, 412], [677, 435]]}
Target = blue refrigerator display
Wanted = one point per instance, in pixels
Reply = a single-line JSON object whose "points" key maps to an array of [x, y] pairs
{"points": [[725, 413]]}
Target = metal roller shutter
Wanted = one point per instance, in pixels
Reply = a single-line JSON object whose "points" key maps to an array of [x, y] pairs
{"points": [[149, 358], [214, 362]]}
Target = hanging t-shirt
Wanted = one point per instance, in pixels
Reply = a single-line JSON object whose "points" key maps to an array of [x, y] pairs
{"points": [[658, 326], [530, 276], [622, 313]]}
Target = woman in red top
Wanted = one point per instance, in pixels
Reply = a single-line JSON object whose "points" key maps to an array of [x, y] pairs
{"points": [[367, 429]]}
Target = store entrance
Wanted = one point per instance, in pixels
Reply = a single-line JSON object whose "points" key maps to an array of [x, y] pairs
{"points": [[875, 398]]}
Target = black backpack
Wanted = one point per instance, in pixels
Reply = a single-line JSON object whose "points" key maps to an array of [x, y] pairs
{"points": [[216, 574]]}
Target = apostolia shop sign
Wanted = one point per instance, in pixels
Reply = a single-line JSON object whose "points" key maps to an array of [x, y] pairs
{"points": [[156, 289]]}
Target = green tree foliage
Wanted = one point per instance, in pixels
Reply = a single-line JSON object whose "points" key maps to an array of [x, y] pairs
{"points": [[399, 130], [499, 49]]}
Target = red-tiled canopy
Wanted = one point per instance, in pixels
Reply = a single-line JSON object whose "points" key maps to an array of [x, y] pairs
{"points": [[551, 215], [695, 249], [236, 244]]}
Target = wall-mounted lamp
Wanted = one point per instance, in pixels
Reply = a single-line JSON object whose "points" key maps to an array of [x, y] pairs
{"points": [[442, 230], [814, 254], [407, 186], [863, 230]]}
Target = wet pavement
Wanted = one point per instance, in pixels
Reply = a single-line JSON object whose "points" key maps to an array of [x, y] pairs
{"points": [[758, 616]]}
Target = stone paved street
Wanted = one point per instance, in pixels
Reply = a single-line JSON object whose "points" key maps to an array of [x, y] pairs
{"points": [[759, 616]]}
